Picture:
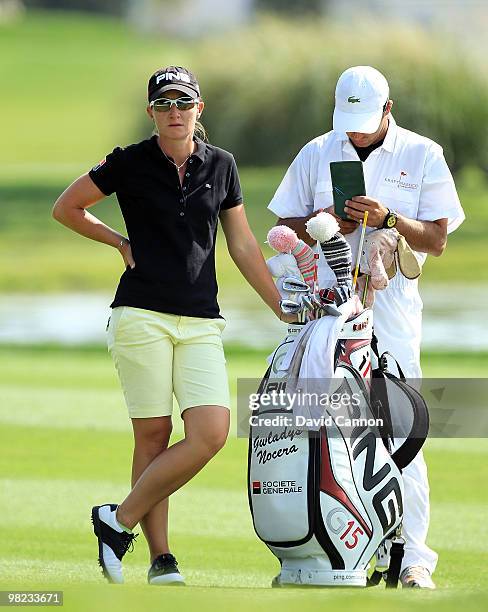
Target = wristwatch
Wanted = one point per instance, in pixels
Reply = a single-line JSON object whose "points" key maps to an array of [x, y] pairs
{"points": [[390, 220]]}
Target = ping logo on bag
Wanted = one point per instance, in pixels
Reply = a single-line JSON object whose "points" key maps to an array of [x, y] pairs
{"points": [[372, 479]]}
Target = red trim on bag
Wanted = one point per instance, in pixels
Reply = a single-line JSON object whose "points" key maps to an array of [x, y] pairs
{"points": [[329, 485], [351, 346]]}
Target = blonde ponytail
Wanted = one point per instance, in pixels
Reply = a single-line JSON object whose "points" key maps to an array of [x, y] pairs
{"points": [[200, 131]]}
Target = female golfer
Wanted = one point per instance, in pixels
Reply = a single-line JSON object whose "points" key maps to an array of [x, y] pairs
{"points": [[164, 333]]}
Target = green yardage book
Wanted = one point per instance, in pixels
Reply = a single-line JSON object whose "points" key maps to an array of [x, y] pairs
{"points": [[347, 182]]}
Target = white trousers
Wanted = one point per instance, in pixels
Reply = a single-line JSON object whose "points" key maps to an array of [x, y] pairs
{"points": [[397, 324]]}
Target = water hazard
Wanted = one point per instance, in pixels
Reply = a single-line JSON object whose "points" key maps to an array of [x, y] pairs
{"points": [[448, 323]]}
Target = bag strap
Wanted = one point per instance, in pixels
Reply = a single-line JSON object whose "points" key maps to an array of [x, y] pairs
{"points": [[374, 345], [396, 556], [380, 406], [382, 360], [374, 579], [392, 573]]}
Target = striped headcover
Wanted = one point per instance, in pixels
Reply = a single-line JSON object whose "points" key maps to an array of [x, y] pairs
{"points": [[337, 253]]}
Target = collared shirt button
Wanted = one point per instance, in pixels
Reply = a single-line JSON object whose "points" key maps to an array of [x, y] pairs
{"points": [[187, 174], [184, 188], [190, 161], [181, 200], [182, 214]]}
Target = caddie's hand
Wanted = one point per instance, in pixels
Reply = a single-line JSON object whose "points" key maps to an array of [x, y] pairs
{"points": [[126, 252], [356, 208], [346, 226]]}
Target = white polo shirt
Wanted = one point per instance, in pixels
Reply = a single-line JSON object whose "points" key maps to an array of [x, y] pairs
{"points": [[407, 174]]}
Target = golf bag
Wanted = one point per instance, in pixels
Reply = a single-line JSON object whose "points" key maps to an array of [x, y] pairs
{"points": [[325, 499]]}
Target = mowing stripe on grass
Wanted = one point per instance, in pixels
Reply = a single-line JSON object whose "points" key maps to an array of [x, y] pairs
{"points": [[226, 512]]}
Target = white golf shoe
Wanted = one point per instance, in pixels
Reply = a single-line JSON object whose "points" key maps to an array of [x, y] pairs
{"points": [[113, 542], [416, 577]]}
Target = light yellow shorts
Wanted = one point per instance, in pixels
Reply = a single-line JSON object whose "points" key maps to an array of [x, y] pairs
{"points": [[158, 354]]}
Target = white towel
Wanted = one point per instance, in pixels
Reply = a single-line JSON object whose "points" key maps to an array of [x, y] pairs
{"points": [[294, 346], [316, 361]]}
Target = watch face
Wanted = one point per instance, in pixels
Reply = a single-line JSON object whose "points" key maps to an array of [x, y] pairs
{"points": [[391, 221]]}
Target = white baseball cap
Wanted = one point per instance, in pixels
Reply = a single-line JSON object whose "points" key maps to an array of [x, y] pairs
{"points": [[360, 95]]}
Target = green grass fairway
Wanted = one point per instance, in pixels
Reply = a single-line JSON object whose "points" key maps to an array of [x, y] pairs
{"points": [[87, 75], [66, 445]]}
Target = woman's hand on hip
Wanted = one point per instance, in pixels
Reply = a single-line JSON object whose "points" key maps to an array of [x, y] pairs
{"points": [[126, 252]]}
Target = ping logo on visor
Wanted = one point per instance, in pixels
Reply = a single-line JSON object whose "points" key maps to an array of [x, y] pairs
{"points": [[169, 76]]}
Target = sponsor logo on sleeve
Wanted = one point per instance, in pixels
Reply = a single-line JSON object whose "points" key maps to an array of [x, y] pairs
{"points": [[99, 165]]}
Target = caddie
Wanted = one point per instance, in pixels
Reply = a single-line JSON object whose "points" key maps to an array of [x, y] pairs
{"points": [[409, 186]]}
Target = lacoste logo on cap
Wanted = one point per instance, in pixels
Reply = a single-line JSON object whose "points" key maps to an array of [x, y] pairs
{"points": [[353, 99]]}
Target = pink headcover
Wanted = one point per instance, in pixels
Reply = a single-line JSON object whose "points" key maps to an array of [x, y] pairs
{"points": [[282, 239]]}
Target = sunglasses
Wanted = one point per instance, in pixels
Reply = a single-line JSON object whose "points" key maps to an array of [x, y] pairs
{"points": [[163, 105]]}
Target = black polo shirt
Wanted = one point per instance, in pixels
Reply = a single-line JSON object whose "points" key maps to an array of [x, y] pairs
{"points": [[172, 227]]}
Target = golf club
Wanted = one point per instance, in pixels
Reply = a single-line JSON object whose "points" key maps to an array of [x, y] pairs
{"points": [[290, 307], [294, 285]]}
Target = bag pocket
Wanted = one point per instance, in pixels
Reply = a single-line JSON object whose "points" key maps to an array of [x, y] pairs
{"points": [[406, 410]]}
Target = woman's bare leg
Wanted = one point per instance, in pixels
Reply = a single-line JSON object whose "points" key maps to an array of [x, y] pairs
{"points": [[206, 429], [151, 437]]}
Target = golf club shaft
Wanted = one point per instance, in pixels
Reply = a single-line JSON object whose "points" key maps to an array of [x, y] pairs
{"points": [[365, 290], [358, 259]]}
